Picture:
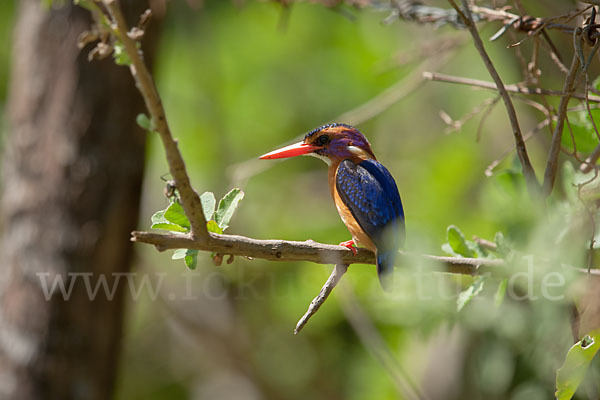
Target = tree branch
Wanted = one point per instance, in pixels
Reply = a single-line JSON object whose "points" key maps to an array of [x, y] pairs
{"points": [[415, 11], [437, 77], [319, 253], [284, 250], [528, 172], [144, 82], [338, 271], [553, 153]]}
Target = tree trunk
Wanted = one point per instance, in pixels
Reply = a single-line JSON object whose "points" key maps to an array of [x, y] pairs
{"points": [[72, 174]]}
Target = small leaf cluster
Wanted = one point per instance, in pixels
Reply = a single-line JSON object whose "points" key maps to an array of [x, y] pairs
{"points": [[173, 219], [106, 37], [458, 246]]}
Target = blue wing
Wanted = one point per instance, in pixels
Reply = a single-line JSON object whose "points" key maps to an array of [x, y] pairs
{"points": [[370, 192]]}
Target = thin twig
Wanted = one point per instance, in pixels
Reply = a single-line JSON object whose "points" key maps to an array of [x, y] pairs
{"points": [[189, 198], [552, 163], [528, 172], [434, 76], [486, 244], [591, 211], [415, 11], [338, 271], [591, 161], [555, 57], [456, 125], [587, 105]]}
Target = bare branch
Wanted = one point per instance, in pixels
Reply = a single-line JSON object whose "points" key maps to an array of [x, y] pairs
{"points": [[591, 161], [434, 76], [528, 172], [189, 198], [284, 250], [309, 250], [338, 271], [552, 163], [415, 11]]}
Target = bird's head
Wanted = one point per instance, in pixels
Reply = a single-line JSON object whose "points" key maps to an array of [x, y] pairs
{"points": [[331, 143]]}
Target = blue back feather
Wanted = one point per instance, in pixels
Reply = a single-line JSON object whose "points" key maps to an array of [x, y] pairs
{"points": [[370, 192]]}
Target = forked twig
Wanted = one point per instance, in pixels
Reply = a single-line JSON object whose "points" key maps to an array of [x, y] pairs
{"points": [[528, 171], [517, 89], [338, 271], [145, 84], [552, 163]]}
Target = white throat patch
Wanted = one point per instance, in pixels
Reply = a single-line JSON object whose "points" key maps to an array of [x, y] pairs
{"points": [[320, 157], [357, 151]]}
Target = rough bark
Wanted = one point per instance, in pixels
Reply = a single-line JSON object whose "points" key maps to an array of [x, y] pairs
{"points": [[72, 173]]}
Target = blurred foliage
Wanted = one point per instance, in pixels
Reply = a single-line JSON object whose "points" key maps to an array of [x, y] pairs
{"points": [[240, 80], [173, 219], [7, 10]]}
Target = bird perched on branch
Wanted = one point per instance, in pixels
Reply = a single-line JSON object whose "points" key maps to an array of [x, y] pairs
{"points": [[363, 190]]}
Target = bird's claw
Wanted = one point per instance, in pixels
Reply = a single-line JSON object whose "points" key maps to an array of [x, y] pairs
{"points": [[350, 245]]}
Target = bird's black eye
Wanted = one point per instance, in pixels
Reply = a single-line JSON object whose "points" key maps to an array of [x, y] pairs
{"points": [[322, 140]]}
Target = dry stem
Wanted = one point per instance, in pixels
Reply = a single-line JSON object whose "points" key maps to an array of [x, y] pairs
{"points": [[145, 84]]}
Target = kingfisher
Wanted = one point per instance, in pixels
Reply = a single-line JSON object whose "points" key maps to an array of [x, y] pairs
{"points": [[363, 190]]}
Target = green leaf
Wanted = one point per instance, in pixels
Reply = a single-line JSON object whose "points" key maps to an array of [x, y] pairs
{"points": [[572, 372], [171, 219], [473, 290], [501, 292], [208, 204], [227, 207], [191, 259], [175, 215], [457, 242], [179, 254], [160, 222], [212, 226], [169, 227], [144, 122], [583, 131]]}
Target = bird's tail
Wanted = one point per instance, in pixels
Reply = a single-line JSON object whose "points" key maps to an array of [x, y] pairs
{"points": [[385, 267]]}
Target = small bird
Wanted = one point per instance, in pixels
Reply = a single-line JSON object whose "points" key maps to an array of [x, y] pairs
{"points": [[363, 190]]}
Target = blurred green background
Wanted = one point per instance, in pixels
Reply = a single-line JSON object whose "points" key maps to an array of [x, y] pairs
{"points": [[237, 81]]}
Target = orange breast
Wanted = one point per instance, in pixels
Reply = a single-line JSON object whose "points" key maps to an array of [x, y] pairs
{"points": [[358, 235]]}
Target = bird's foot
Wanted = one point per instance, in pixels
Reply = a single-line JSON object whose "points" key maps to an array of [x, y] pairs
{"points": [[350, 245]]}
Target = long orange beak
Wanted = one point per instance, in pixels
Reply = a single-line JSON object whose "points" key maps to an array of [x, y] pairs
{"points": [[293, 150]]}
